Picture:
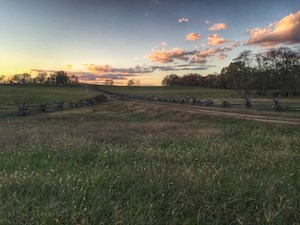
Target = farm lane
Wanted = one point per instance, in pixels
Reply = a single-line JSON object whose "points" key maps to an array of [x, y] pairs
{"points": [[216, 112]]}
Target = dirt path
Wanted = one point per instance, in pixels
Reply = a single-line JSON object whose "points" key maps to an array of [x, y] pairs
{"points": [[216, 112]]}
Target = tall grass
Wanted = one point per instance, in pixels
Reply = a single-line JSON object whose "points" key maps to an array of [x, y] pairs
{"points": [[116, 164]]}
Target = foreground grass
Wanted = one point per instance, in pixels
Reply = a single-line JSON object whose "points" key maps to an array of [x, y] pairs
{"points": [[112, 164]]}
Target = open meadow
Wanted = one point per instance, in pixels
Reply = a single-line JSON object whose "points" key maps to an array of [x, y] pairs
{"points": [[122, 163]]}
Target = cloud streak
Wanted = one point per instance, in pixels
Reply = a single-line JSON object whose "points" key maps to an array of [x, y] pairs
{"points": [[286, 31]]}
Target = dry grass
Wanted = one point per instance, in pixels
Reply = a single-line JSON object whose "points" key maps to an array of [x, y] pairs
{"points": [[117, 164]]}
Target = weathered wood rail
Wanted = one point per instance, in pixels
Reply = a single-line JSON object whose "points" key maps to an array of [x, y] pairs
{"points": [[24, 109], [247, 103]]}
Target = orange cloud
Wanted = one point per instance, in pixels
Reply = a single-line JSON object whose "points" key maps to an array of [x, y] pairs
{"points": [[218, 26], [214, 52], [98, 69], [215, 39], [164, 56], [193, 37], [286, 31], [198, 59]]}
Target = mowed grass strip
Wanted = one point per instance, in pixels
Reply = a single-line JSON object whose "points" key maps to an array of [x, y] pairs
{"points": [[170, 91], [114, 164], [38, 94]]}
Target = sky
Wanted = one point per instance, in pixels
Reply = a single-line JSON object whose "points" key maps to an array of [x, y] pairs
{"points": [[139, 39]]}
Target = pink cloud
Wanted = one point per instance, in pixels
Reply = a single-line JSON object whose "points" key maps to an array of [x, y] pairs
{"points": [[215, 39], [198, 59], [286, 31], [218, 26], [183, 20], [214, 53], [164, 56], [222, 56], [98, 69], [193, 37]]}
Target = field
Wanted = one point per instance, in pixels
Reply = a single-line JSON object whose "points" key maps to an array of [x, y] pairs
{"points": [[262, 104], [170, 91], [122, 163], [10, 94]]}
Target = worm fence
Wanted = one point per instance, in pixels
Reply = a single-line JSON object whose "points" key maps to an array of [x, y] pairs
{"points": [[24, 109], [248, 103]]}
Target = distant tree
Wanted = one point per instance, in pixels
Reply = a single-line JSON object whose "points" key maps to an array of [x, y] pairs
{"points": [[282, 63], [209, 80], [131, 83], [51, 79], [191, 80], [171, 80], [74, 79], [244, 70], [137, 82], [274, 71], [109, 82], [2, 79], [26, 78], [41, 77], [61, 77]]}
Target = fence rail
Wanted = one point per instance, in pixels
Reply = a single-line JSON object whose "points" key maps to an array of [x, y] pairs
{"points": [[24, 109], [248, 103]]}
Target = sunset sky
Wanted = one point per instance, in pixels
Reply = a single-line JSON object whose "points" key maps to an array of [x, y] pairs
{"points": [[139, 39]]}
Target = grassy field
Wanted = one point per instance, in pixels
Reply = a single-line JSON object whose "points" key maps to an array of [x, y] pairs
{"points": [[261, 104], [34, 95], [117, 163], [171, 91], [113, 165], [43, 94]]}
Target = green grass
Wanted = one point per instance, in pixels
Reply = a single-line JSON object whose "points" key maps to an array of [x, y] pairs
{"points": [[43, 94], [171, 91], [119, 164], [260, 102]]}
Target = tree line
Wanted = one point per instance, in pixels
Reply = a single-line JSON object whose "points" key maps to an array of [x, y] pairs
{"points": [[59, 77], [276, 71]]}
